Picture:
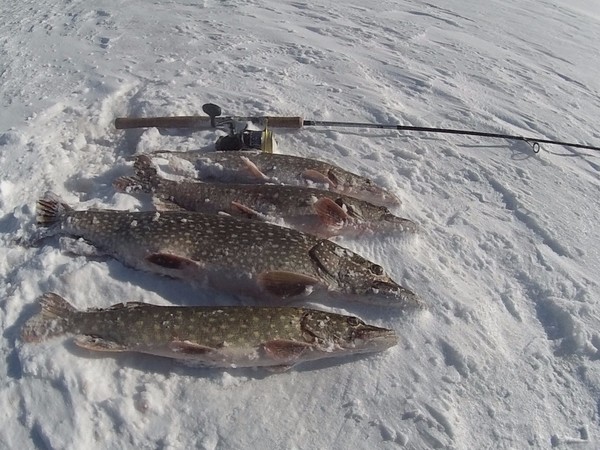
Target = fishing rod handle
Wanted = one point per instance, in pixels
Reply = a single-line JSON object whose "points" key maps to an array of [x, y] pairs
{"points": [[284, 122], [163, 122], [199, 122]]}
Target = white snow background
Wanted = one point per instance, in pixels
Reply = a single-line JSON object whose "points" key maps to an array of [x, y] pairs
{"points": [[507, 259]]}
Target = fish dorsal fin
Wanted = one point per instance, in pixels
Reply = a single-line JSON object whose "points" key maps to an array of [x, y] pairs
{"points": [[98, 344], [317, 177], [120, 306], [253, 169], [189, 348], [170, 261], [285, 284], [330, 212], [284, 351], [245, 211], [279, 368]]}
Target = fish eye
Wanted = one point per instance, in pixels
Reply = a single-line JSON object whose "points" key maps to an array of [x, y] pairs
{"points": [[353, 321], [376, 269]]}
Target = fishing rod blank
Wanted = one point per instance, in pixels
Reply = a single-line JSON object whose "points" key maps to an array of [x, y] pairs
{"points": [[216, 121]]}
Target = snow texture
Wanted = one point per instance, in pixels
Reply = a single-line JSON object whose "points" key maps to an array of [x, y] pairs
{"points": [[508, 257]]}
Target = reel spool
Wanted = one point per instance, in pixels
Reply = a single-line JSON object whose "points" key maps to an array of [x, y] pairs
{"points": [[247, 140], [242, 140]]}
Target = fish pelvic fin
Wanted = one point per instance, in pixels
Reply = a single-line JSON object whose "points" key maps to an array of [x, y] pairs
{"points": [[253, 169], [315, 176], [51, 321], [239, 209], [285, 284], [330, 212], [50, 209], [146, 178], [98, 344]]}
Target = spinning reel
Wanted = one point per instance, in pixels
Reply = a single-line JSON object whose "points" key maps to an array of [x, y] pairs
{"points": [[239, 137]]}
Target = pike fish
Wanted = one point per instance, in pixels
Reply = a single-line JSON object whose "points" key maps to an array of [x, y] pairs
{"points": [[239, 256], [272, 337], [260, 167], [315, 211]]}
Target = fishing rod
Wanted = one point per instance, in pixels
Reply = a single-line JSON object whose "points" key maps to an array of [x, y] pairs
{"points": [[215, 120]]}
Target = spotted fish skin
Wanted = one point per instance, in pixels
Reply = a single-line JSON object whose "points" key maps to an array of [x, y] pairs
{"points": [[212, 336], [315, 211], [261, 167], [242, 257]]}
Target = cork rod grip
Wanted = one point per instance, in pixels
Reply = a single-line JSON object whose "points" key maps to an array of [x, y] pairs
{"points": [[163, 122]]}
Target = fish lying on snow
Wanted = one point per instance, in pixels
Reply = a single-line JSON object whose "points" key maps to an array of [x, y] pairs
{"points": [[210, 336], [320, 212], [236, 255], [261, 167]]}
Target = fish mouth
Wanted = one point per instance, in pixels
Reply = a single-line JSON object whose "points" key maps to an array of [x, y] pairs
{"points": [[371, 338], [382, 196], [370, 193], [388, 222], [396, 221], [388, 293]]}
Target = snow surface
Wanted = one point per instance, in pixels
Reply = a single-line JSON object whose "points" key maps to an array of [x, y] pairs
{"points": [[507, 260]]}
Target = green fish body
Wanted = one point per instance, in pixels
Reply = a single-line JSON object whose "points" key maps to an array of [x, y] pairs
{"points": [[277, 337], [244, 257], [320, 212]]}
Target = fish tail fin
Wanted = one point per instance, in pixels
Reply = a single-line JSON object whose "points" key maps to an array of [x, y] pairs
{"points": [[146, 178], [53, 320], [50, 209]]}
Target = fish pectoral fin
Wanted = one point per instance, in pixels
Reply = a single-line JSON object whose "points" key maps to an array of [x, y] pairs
{"points": [[333, 178], [330, 212], [317, 177], [252, 169], [285, 284], [286, 352], [98, 344], [190, 348], [170, 261], [240, 209]]}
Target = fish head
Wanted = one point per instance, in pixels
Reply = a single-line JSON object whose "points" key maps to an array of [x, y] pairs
{"points": [[347, 334], [364, 215], [362, 280], [361, 187]]}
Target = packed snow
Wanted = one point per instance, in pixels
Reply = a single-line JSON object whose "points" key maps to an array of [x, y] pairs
{"points": [[507, 259]]}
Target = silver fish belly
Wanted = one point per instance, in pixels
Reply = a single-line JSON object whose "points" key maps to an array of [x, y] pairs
{"points": [[310, 210], [215, 337], [238, 256], [261, 167]]}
